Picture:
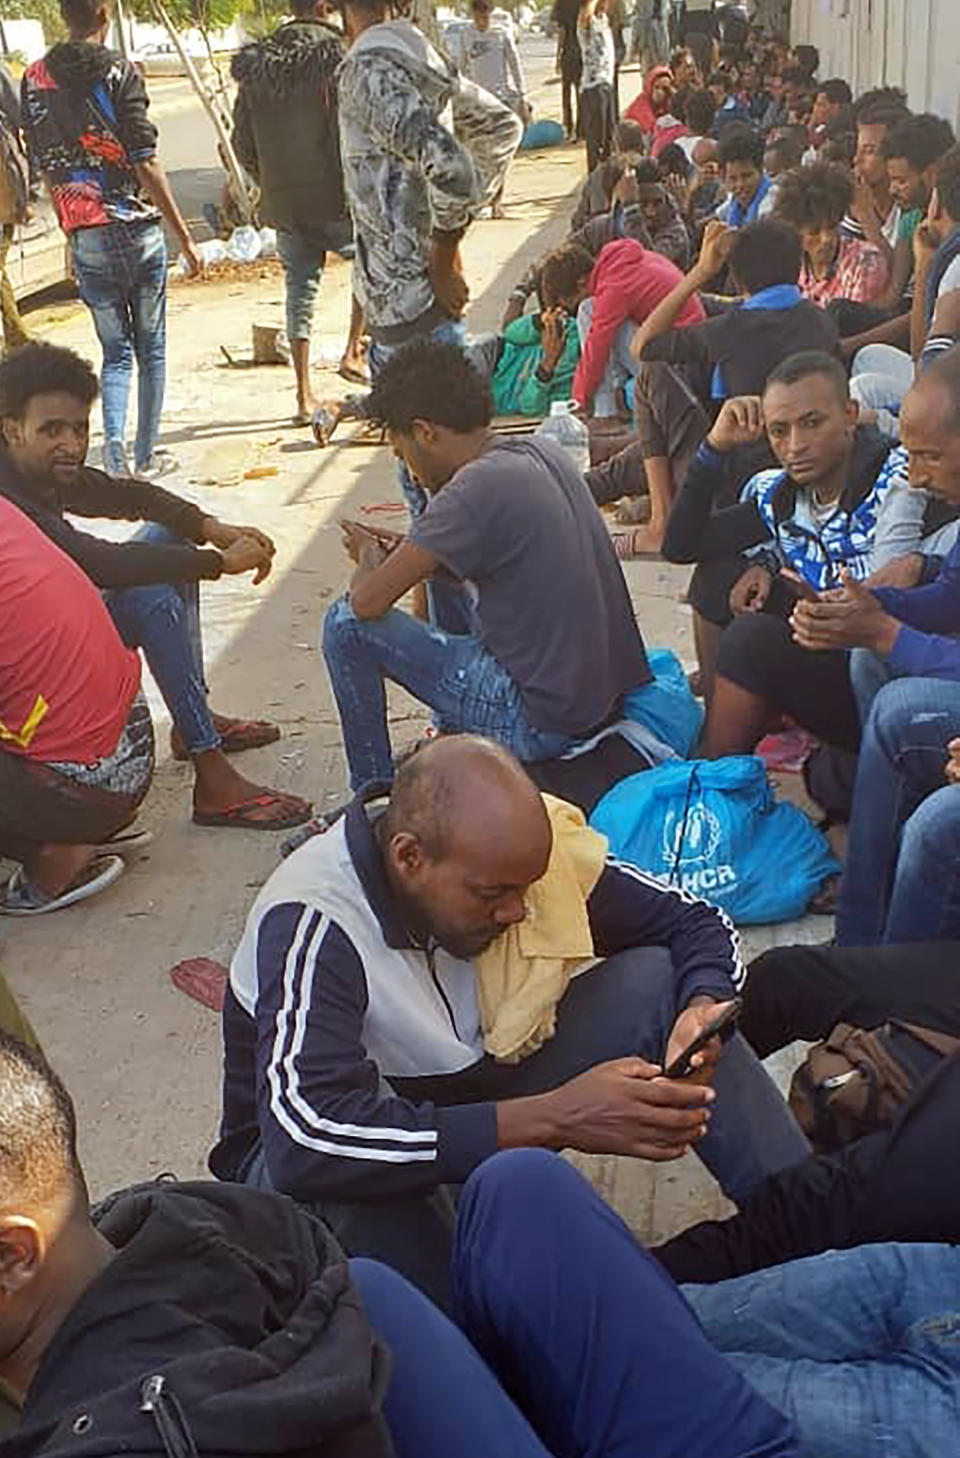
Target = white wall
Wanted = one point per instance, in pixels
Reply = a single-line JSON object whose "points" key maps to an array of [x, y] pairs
{"points": [[25, 36], [909, 43]]}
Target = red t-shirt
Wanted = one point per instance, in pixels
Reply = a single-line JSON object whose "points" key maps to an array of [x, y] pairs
{"points": [[66, 679], [628, 282]]}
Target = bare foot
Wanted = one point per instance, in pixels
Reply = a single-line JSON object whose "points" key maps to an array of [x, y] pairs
{"points": [[353, 366], [306, 406], [52, 868]]}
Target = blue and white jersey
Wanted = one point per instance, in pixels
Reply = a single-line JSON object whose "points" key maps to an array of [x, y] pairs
{"points": [[819, 545]]}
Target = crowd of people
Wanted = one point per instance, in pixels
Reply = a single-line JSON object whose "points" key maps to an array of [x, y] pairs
{"points": [[451, 980]]}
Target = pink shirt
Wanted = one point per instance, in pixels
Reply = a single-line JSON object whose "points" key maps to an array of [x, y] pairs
{"points": [[628, 282], [66, 680], [859, 273]]}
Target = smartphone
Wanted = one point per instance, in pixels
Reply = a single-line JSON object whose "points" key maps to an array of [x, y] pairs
{"points": [[724, 1022]]}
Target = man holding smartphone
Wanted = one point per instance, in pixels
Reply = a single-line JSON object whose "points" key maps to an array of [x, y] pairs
{"points": [[356, 1073]]}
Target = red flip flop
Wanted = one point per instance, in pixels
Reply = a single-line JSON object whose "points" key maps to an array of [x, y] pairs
{"points": [[202, 979], [238, 817]]}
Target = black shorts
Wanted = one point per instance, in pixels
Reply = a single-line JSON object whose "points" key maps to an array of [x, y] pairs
{"points": [[757, 653]]}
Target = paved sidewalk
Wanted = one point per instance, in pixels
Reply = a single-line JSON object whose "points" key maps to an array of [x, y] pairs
{"points": [[142, 1060]]}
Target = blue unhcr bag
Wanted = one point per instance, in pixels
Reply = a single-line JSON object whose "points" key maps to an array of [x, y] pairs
{"points": [[666, 706], [714, 828]]}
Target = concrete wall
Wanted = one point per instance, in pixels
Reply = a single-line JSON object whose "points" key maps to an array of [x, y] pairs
{"points": [[909, 43]]}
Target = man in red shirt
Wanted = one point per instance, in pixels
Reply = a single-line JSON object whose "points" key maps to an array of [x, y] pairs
{"points": [[76, 742], [611, 298]]}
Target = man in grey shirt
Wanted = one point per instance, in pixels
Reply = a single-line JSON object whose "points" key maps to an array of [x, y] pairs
{"points": [[545, 645]]}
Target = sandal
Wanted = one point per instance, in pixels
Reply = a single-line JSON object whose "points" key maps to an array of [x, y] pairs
{"points": [[126, 842], [242, 734], [20, 897], [624, 544], [239, 817], [356, 377]]}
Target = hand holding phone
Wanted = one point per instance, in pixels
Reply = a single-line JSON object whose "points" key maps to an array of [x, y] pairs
{"points": [[724, 1020]]}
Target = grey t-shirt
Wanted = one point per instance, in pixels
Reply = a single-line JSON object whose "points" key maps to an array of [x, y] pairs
{"points": [[520, 528]]}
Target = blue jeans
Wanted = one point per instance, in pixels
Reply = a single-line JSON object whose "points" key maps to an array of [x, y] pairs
{"points": [[624, 1007], [302, 266], [901, 882], [860, 1348], [621, 367], [164, 620], [468, 690], [587, 1332], [121, 273]]}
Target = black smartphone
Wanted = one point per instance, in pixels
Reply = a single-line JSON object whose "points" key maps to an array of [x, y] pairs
{"points": [[724, 1022]]}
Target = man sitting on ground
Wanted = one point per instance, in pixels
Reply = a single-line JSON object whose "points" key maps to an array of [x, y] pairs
{"points": [[839, 501], [355, 1073], [227, 1320], [686, 373], [540, 643], [741, 159], [76, 743], [610, 297], [899, 883], [46, 394]]}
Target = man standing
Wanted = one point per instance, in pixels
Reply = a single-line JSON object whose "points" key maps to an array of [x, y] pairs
{"points": [[285, 134], [424, 150], [13, 203], [86, 124]]}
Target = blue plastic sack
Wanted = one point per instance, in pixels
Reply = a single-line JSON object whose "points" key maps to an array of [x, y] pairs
{"points": [[714, 829], [542, 133], [667, 707]]}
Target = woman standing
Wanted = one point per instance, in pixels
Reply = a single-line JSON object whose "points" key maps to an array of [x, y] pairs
{"points": [[596, 83]]}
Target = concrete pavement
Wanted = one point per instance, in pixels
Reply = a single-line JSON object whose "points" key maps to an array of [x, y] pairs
{"points": [[142, 1060]]}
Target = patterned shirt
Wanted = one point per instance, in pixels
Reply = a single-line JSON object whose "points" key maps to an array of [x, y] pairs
{"points": [[85, 120], [596, 48], [859, 273]]}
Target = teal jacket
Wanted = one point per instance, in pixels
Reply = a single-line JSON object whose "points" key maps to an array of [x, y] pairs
{"points": [[516, 389]]}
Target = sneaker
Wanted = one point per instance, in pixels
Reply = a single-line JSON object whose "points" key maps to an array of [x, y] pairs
{"points": [[161, 463]]}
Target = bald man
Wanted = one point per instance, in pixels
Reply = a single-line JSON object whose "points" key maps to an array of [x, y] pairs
{"points": [[355, 1074]]}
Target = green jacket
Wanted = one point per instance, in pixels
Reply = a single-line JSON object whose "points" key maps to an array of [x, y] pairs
{"points": [[516, 389]]}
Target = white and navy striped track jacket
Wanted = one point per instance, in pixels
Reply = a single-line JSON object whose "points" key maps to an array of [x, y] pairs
{"points": [[332, 1011]]}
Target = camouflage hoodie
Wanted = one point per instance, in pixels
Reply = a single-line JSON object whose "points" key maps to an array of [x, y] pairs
{"points": [[423, 150]]}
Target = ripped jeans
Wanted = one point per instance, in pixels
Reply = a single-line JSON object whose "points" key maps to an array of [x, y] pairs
{"points": [[469, 691], [901, 882]]}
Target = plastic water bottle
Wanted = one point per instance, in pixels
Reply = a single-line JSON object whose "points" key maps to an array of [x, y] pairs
{"points": [[564, 426]]}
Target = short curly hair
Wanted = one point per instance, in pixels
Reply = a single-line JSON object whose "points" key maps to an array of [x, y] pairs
{"points": [[563, 270], [817, 196], [428, 380], [43, 369]]}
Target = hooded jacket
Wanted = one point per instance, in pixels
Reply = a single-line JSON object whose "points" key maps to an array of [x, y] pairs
{"points": [[84, 116], [878, 517], [423, 149], [285, 129], [225, 1324]]}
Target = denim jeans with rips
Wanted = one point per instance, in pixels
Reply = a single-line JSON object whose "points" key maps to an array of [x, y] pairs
{"points": [[467, 688], [121, 273]]}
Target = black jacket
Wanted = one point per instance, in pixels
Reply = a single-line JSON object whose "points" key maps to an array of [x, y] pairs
{"points": [[94, 494], [285, 130], [901, 1184], [746, 344], [225, 1324]]}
